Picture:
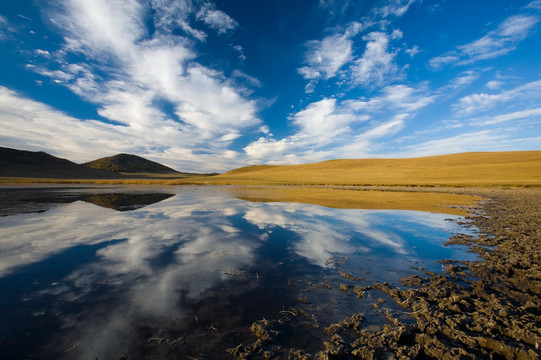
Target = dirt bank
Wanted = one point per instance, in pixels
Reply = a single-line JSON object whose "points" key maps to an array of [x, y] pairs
{"points": [[486, 309]]}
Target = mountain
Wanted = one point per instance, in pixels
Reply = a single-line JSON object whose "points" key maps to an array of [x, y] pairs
{"points": [[129, 164], [20, 163]]}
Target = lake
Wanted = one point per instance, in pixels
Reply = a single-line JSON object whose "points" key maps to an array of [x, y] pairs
{"points": [[178, 272]]}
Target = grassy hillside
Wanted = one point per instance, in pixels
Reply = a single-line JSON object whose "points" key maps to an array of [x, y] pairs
{"points": [[516, 168], [129, 164]]}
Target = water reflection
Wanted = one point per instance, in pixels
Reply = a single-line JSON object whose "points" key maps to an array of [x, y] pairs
{"points": [[200, 266], [15, 199]]}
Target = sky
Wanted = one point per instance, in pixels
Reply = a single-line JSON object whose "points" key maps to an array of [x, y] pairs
{"points": [[209, 86]]}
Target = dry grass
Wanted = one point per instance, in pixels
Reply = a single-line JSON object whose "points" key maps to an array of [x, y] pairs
{"points": [[517, 168], [488, 169]]}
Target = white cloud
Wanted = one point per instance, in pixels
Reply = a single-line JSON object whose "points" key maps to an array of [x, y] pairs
{"points": [[102, 27], [440, 61], [268, 149], [376, 67], [397, 97], [385, 129], [170, 15], [325, 58], [36, 126], [216, 19], [329, 128], [496, 43], [500, 41], [43, 53], [6, 30], [130, 73], [250, 81], [475, 141], [494, 84], [481, 102], [413, 51], [463, 79], [393, 8], [159, 67], [536, 4], [240, 50], [322, 121], [517, 115]]}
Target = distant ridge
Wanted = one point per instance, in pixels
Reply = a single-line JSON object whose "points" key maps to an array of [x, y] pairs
{"points": [[21, 163], [130, 164]]}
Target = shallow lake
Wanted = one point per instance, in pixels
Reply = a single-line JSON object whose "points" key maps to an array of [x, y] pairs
{"points": [[177, 272]]}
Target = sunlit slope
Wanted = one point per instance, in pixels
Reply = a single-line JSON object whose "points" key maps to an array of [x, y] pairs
{"points": [[478, 169]]}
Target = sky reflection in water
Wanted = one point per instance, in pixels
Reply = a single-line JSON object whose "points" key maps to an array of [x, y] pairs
{"points": [[85, 281]]}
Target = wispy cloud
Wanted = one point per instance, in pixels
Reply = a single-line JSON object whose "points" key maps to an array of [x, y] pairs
{"points": [[216, 19], [536, 4], [130, 73], [326, 57], [335, 56], [376, 67], [498, 139], [170, 15], [495, 43], [319, 124], [517, 115], [474, 141], [474, 103], [6, 30], [369, 63], [393, 8], [330, 128], [494, 84], [397, 97]]}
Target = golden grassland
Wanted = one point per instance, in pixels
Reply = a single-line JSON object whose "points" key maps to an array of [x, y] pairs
{"points": [[517, 168], [483, 169]]}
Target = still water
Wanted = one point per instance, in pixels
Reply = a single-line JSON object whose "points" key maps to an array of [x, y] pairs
{"points": [[130, 273]]}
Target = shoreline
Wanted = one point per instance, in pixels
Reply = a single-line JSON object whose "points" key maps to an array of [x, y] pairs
{"points": [[485, 309]]}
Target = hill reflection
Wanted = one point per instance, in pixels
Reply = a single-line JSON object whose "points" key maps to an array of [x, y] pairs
{"points": [[125, 202]]}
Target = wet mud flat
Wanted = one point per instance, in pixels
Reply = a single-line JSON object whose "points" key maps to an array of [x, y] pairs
{"points": [[485, 309]]}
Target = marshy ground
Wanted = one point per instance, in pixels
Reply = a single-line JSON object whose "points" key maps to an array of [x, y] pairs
{"points": [[485, 309]]}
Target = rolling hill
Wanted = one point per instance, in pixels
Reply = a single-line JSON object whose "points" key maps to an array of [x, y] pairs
{"points": [[123, 167], [30, 164], [129, 164], [513, 168]]}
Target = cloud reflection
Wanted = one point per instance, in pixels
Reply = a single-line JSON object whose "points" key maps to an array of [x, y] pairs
{"points": [[156, 259]]}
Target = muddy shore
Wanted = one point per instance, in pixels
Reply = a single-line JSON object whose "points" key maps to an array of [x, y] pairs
{"points": [[485, 309]]}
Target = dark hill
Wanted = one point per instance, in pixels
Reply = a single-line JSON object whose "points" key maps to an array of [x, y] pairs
{"points": [[20, 163], [130, 164]]}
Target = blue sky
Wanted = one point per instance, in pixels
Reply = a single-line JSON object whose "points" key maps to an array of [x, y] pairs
{"points": [[210, 86]]}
